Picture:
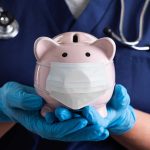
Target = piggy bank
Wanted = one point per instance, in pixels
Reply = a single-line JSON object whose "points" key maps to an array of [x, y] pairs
{"points": [[75, 69]]}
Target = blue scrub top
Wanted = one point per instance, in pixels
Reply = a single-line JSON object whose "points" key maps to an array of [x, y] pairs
{"points": [[52, 17]]}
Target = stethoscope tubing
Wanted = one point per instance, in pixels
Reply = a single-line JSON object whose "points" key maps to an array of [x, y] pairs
{"points": [[122, 39]]}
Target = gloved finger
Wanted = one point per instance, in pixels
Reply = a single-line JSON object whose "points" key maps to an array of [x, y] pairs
{"points": [[29, 89], [63, 113], [104, 136], [90, 133], [120, 98], [37, 124], [91, 114], [69, 126], [50, 117], [17, 97]]}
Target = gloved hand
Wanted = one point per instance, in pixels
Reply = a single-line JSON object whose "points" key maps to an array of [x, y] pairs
{"points": [[21, 104], [120, 119], [17, 96], [93, 132], [121, 116]]}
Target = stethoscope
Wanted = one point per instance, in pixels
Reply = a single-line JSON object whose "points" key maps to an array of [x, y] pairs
{"points": [[122, 39], [9, 27]]}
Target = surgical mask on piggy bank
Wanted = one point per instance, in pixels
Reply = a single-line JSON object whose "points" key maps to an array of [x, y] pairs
{"points": [[75, 69]]}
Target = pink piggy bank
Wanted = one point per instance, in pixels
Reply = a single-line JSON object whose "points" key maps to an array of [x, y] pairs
{"points": [[75, 69]]}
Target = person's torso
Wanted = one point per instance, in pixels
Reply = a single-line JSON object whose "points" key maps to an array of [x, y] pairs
{"points": [[52, 17]]}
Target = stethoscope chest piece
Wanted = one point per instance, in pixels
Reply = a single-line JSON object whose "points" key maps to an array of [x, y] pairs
{"points": [[9, 27]]}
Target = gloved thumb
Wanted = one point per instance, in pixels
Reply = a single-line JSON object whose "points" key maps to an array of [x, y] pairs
{"points": [[16, 95], [120, 98]]}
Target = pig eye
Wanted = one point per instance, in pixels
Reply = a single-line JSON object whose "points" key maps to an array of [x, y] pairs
{"points": [[87, 54], [64, 54]]}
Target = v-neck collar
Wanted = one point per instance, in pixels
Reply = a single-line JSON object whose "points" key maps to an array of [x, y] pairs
{"points": [[93, 14], [65, 21], [61, 14]]}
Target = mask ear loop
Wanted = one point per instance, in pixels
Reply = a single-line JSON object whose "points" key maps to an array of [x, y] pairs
{"points": [[48, 66], [42, 64]]}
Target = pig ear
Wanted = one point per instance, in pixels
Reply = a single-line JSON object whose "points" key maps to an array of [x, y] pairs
{"points": [[42, 45], [107, 45]]}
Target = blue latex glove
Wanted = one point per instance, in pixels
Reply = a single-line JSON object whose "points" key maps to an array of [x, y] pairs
{"points": [[120, 119], [17, 96], [21, 104], [93, 132], [121, 116]]}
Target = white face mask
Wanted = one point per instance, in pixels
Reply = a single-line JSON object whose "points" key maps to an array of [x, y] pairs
{"points": [[77, 84]]}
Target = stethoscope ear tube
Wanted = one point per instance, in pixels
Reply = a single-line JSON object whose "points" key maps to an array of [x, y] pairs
{"points": [[108, 32], [133, 44]]}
